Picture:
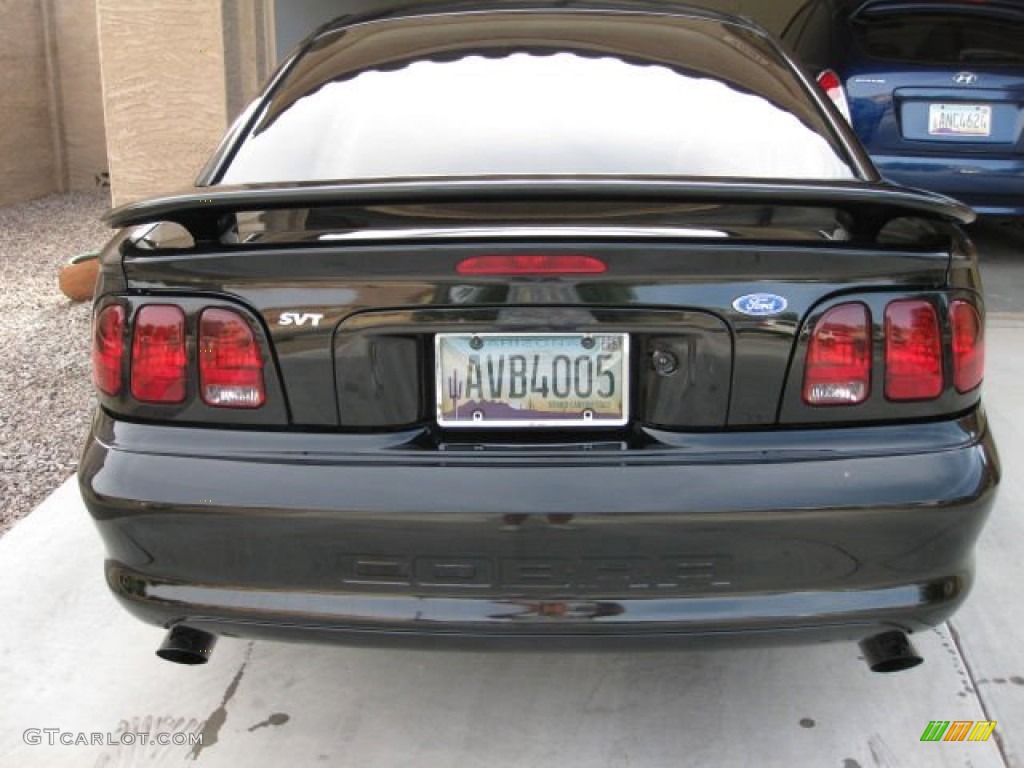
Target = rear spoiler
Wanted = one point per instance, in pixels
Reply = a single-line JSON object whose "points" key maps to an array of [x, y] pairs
{"points": [[208, 212], [992, 8]]}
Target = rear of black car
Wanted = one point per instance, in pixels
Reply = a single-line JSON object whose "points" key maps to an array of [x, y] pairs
{"points": [[490, 340]]}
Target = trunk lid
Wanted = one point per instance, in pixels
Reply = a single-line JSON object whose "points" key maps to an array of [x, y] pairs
{"points": [[352, 298]]}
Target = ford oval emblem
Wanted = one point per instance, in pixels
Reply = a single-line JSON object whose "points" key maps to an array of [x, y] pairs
{"points": [[760, 304]]}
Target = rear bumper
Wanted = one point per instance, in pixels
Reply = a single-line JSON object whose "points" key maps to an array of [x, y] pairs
{"points": [[993, 187], [767, 538]]}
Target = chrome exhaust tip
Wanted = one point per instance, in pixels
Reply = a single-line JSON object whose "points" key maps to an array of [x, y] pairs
{"points": [[890, 652], [185, 645]]}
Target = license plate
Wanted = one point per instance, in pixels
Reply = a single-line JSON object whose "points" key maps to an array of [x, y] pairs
{"points": [[960, 120], [532, 379]]}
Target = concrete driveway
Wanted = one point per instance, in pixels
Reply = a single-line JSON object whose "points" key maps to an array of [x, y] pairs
{"points": [[71, 660]]}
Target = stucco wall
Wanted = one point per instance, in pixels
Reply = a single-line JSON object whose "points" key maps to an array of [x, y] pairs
{"points": [[51, 102], [163, 70], [28, 167], [80, 91], [175, 73]]}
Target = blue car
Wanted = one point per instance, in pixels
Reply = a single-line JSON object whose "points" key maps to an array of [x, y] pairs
{"points": [[934, 90]]}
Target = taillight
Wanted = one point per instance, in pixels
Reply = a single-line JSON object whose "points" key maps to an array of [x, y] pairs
{"points": [[968, 346], [913, 351], [531, 264], [230, 363], [833, 87], [108, 350], [838, 369], [158, 355]]}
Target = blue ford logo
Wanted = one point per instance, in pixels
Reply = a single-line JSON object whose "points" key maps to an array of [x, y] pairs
{"points": [[760, 304]]}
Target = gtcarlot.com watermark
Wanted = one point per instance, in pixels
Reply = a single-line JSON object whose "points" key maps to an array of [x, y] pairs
{"points": [[56, 737]]}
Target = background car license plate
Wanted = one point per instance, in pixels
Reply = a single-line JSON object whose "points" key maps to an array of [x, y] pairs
{"points": [[960, 120], [532, 379]]}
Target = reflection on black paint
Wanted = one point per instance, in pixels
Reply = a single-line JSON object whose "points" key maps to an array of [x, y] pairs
{"points": [[529, 98]]}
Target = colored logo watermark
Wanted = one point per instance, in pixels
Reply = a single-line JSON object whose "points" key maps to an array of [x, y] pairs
{"points": [[958, 730]]}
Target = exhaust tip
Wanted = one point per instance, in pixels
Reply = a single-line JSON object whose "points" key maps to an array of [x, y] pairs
{"points": [[890, 652], [184, 645]]}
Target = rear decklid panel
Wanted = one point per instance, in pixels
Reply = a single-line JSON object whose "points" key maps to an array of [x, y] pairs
{"points": [[351, 317]]}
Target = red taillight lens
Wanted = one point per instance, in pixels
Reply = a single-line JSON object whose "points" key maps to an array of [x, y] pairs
{"points": [[158, 355], [230, 363], [838, 370], [968, 346], [531, 264], [913, 351], [108, 350], [833, 87]]}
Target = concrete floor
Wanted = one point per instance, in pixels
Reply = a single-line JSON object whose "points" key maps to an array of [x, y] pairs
{"points": [[71, 659]]}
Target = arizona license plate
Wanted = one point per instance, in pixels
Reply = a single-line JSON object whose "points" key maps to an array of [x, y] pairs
{"points": [[960, 120], [532, 379]]}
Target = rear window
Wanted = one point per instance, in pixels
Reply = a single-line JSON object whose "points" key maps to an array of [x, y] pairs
{"points": [[527, 94], [944, 39]]}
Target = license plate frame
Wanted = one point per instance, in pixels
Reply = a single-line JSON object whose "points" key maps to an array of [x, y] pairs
{"points": [[449, 346], [983, 111]]}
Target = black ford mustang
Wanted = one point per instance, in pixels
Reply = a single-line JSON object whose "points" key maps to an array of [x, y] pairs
{"points": [[534, 327]]}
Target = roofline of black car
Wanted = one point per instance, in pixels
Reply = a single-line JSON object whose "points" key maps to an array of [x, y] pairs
{"points": [[454, 7], [224, 152], [202, 210], [229, 145]]}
